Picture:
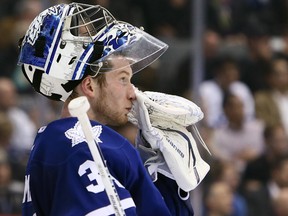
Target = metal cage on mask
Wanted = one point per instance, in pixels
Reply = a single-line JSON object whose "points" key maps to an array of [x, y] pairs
{"points": [[65, 43]]}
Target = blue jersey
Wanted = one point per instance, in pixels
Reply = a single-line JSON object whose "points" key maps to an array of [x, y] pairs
{"points": [[62, 178], [170, 191]]}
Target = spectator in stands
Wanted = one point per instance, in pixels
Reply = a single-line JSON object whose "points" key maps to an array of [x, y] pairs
{"points": [[218, 199], [257, 171], [271, 104], [240, 140], [226, 172], [226, 78], [255, 64], [260, 199], [24, 129], [181, 83]]}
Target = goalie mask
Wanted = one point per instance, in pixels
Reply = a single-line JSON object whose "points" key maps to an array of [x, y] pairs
{"points": [[66, 42]]}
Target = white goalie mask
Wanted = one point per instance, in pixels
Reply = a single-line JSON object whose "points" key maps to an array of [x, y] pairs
{"points": [[66, 42]]}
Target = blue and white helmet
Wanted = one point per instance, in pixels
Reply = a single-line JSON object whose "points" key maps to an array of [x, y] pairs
{"points": [[66, 42]]}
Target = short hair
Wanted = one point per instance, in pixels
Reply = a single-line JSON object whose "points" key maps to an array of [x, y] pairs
{"points": [[227, 95], [222, 62]]}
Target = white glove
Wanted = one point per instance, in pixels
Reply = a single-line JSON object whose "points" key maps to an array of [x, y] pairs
{"points": [[163, 107], [162, 120]]}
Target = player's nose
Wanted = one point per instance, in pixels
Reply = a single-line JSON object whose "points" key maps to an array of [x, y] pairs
{"points": [[131, 92]]}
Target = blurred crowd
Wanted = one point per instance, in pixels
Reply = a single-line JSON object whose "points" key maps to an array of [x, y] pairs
{"points": [[243, 94]]}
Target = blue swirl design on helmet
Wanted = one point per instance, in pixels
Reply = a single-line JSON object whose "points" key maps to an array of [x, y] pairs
{"points": [[116, 37], [44, 26]]}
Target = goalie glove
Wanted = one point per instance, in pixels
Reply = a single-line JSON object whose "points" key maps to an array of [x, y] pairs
{"points": [[163, 107], [162, 120]]}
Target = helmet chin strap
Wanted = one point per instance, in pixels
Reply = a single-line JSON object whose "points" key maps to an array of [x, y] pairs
{"points": [[71, 84]]}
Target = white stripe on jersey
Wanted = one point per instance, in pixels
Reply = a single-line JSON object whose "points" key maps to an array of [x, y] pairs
{"points": [[108, 210]]}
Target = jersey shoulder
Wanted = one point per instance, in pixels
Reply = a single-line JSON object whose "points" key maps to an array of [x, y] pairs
{"points": [[62, 138]]}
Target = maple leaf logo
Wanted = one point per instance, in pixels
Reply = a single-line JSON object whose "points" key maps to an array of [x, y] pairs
{"points": [[77, 136]]}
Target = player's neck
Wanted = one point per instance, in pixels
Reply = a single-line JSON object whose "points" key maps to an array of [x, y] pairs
{"points": [[92, 116], [65, 112]]}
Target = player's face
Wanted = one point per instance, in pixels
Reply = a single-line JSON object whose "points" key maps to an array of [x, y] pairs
{"points": [[114, 99]]}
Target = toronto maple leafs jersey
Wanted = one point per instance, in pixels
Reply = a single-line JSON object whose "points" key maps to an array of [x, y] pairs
{"points": [[62, 178]]}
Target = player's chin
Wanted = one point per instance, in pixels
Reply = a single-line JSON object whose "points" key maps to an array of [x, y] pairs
{"points": [[124, 120], [121, 120]]}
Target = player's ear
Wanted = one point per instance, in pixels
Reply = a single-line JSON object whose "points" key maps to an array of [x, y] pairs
{"points": [[88, 86]]}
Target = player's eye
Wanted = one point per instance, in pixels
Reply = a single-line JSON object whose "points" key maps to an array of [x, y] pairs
{"points": [[124, 79]]}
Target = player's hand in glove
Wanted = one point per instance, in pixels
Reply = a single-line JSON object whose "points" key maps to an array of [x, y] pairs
{"points": [[165, 143]]}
